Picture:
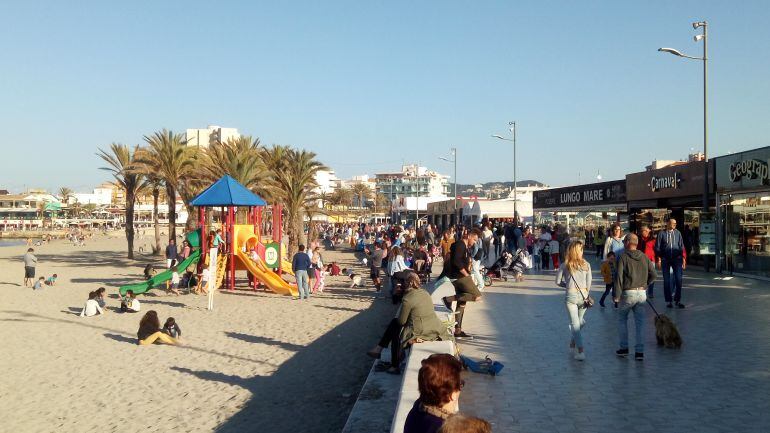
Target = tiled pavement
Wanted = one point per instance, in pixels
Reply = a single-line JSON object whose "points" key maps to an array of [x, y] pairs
{"points": [[718, 382]]}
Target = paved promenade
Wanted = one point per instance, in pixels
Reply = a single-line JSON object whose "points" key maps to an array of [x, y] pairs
{"points": [[718, 382]]}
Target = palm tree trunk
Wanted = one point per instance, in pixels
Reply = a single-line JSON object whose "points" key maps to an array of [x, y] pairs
{"points": [[155, 198], [171, 196], [130, 200]]}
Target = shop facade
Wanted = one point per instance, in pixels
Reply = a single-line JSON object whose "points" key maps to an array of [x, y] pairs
{"points": [[743, 213], [583, 209], [675, 191]]}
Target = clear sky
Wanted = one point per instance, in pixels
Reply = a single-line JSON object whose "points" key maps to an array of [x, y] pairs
{"points": [[369, 84]]}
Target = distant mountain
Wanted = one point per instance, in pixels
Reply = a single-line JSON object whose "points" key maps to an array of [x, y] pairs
{"points": [[492, 190]]}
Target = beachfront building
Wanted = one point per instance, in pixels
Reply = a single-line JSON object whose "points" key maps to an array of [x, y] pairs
{"points": [[210, 135], [103, 195], [411, 190], [24, 211]]}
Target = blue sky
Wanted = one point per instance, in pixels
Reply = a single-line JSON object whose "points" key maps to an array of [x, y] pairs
{"points": [[367, 85]]}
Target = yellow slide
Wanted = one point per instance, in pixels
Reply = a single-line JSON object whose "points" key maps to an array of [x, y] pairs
{"points": [[244, 236]]}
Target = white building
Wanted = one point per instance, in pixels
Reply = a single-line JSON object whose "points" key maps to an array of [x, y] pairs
{"points": [[412, 181], [101, 196], [210, 135]]}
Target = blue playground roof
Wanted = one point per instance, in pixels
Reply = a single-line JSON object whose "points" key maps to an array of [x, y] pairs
{"points": [[227, 192]]}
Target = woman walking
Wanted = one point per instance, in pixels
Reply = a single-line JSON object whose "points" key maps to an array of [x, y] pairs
{"points": [[575, 276], [614, 242]]}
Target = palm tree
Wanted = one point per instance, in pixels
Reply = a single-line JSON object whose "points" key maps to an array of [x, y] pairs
{"points": [[121, 161], [169, 159], [153, 187], [341, 197], [361, 193], [293, 180], [65, 194]]}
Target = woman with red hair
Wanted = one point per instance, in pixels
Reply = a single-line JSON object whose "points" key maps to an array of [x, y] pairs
{"points": [[440, 385]]}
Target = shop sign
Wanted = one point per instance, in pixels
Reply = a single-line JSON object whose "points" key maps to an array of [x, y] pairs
{"points": [[658, 183], [683, 180], [605, 193], [745, 170]]}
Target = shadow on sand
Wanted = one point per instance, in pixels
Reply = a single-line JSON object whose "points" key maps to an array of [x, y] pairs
{"points": [[264, 340], [304, 380]]}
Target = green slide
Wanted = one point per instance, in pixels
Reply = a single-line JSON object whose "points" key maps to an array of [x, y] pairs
{"points": [[161, 277]]}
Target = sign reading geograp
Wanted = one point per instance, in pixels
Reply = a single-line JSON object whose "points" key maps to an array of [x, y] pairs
{"points": [[272, 254], [745, 170]]}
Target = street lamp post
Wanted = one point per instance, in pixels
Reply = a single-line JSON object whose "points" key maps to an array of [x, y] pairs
{"points": [[701, 37], [512, 128], [454, 161]]}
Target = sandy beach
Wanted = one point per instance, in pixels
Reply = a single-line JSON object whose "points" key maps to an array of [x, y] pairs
{"points": [[259, 362]]}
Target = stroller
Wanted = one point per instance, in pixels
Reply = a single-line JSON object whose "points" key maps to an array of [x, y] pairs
{"points": [[498, 269], [521, 262]]}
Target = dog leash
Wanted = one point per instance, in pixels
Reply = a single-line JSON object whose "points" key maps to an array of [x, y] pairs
{"points": [[653, 308]]}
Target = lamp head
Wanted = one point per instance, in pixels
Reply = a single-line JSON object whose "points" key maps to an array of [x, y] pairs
{"points": [[498, 136], [671, 51], [699, 37], [697, 24]]}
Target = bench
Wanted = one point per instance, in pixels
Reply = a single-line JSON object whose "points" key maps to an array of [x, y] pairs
{"points": [[409, 392]]}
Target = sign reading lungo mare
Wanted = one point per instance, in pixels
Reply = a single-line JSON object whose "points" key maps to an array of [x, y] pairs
{"points": [[595, 194]]}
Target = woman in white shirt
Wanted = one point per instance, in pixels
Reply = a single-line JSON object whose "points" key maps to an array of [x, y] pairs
{"points": [[92, 307], [396, 264]]}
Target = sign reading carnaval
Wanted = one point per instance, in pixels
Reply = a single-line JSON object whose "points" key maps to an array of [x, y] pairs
{"points": [[605, 193], [665, 182]]}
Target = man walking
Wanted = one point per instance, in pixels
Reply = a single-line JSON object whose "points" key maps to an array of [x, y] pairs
{"points": [[672, 256], [171, 253], [300, 264], [30, 262], [635, 272], [459, 270], [375, 265]]}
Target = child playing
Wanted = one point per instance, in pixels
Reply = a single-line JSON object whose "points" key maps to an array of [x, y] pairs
{"points": [[355, 279], [608, 273], [173, 287], [203, 282], [171, 328], [51, 281], [39, 284], [129, 303], [100, 296]]}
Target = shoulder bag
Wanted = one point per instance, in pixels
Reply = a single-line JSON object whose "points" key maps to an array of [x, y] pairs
{"points": [[588, 302]]}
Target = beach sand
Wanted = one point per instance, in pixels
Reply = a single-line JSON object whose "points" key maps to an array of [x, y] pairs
{"points": [[259, 362]]}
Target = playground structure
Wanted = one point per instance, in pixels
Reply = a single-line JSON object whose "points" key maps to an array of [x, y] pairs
{"points": [[234, 254]]}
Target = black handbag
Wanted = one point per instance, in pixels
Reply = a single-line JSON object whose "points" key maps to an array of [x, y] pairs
{"points": [[588, 302]]}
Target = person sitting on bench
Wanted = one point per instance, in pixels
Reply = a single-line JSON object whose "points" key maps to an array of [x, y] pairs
{"points": [[416, 322]]}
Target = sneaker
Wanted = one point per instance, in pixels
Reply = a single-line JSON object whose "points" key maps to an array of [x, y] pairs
{"points": [[616, 305], [463, 335], [622, 352], [639, 356], [601, 303], [580, 356], [680, 305], [669, 305]]}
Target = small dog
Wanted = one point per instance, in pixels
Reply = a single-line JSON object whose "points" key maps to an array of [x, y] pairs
{"points": [[666, 333]]}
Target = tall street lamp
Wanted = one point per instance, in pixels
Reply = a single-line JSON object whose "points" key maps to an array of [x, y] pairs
{"points": [[700, 37], [512, 128], [454, 161]]}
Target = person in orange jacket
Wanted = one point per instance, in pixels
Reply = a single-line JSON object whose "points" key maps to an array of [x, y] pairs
{"points": [[647, 246]]}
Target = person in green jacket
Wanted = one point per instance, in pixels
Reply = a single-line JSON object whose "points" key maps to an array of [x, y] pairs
{"points": [[416, 322]]}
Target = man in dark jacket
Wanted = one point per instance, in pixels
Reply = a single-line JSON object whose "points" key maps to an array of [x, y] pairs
{"points": [[458, 270], [672, 256], [634, 274]]}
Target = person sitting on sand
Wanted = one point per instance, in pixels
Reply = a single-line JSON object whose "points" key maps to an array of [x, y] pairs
{"points": [[355, 279], [100, 297], [150, 332], [173, 285], [172, 329], [39, 283], [416, 322], [92, 307], [51, 281], [129, 303]]}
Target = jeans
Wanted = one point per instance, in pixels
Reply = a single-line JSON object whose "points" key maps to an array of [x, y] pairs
{"points": [[668, 265], [392, 338], [576, 312], [632, 300], [610, 287], [303, 284]]}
